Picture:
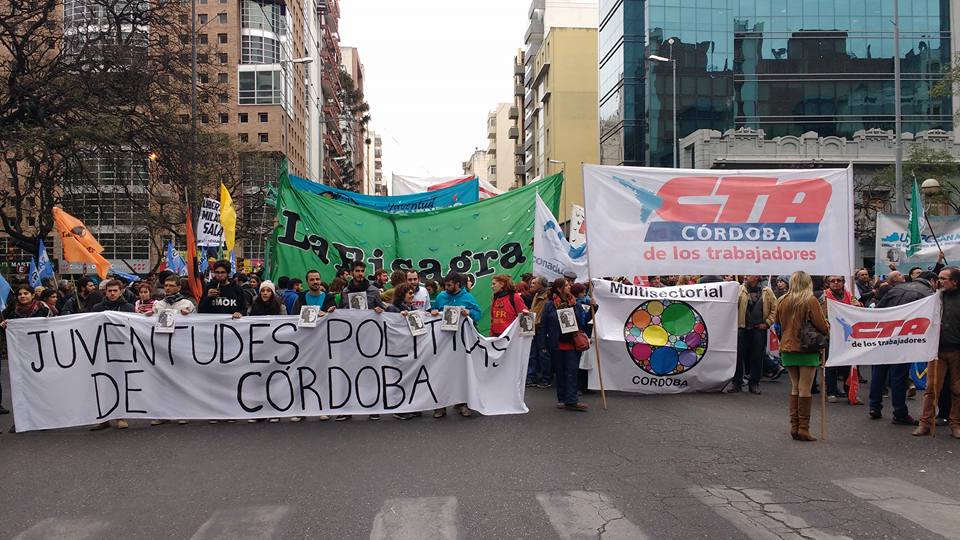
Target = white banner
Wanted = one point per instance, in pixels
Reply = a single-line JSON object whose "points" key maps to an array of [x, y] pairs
{"points": [[84, 369], [893, 239], [681, 221], [578, 225], [665, 340], [209, 229], [895, 335], [552, 253], [403, 184]]}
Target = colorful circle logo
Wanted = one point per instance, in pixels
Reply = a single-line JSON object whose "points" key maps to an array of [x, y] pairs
{"points": [[665, 337]]}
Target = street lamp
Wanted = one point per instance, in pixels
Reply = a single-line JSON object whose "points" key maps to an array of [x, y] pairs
{"points": [[673, 61]]}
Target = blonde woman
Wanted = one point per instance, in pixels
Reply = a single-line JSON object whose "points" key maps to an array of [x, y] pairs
{"points": [[795, 308]]}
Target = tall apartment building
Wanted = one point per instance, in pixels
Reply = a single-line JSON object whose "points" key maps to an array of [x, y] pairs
{"points": [[373, 165], [501, 132], [786, 68], [564, 126], [516, 116], [544, 16]]}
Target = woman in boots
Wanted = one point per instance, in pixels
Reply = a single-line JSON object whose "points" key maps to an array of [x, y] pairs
{"points": [[796, 307]]}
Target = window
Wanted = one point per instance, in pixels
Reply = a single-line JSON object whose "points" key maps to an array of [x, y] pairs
{"points": [[259, 50], [204, 119], [263, 137], [184, 118], [260, 87], [204, 2], [242, 117], [244, 138], [223, 98], [264, 15], [202, 18], [182, 19], [203, 58], [224, 118], [202, 39], [222, 18], [223, 78], [264, 117], [184, 39], [204, 78], [222, 38], [222, 57]]}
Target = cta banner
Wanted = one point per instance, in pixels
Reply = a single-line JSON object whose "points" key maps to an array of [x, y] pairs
{"points": [[483, 239], [676, 221], [457, 194], [209, 229], [665, 340], [895, 335], [893, 239], [84, 369], [552, 253]]}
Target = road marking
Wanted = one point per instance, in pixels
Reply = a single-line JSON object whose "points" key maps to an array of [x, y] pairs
{"points": [[65, 528], [755, 513], [416, 518], [932, 511], [577, 515], [251, 522]]}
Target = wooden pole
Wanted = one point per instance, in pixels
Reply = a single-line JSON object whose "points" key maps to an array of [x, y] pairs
{"points": [[823, 399], [593, 298], [936, 393]]}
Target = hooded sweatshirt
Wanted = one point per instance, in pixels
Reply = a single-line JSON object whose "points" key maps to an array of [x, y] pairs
{"points": [[231, 300]]}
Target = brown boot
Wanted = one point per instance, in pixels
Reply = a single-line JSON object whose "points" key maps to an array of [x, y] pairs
{"points": [[803, 417], [794, 420]]}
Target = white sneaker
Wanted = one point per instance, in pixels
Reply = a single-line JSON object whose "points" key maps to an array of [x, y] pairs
{"points": [[296, 418], [324, 418]]}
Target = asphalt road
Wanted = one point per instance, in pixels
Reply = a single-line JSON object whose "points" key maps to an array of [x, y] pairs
{"points": [[688, 466]]}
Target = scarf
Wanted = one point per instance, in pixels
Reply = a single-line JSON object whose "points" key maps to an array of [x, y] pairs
{"points": [[845, 298], [53, 310], [559, 302], [362, 287], [26, 311], [113, 305], [172, 299]]}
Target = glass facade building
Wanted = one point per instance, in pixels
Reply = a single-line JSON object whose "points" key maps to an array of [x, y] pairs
{"points": [[783, 66]]}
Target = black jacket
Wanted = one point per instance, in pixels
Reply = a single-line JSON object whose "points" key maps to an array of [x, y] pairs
{"points": [[231, 300], [950, 322], [904, 293], [119, 305]]}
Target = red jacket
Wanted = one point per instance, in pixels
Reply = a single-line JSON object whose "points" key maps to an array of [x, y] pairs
{"points": [[502, 312]]}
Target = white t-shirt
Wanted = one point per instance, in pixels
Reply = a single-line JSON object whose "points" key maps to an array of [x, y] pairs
{"points": [[421, 299]]}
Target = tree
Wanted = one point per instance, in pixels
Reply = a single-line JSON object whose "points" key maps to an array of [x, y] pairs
{"points": [[104, 82], [356, 116]]}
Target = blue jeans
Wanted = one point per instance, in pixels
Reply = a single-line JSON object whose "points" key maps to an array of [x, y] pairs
{"points": [[898, 375], [565, 365], [538, 367]]}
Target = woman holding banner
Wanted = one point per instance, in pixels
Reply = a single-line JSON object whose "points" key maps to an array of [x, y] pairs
{"points": [[797, 311]]}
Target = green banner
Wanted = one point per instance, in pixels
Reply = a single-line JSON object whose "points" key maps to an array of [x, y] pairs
{"points": [[485, 238]]}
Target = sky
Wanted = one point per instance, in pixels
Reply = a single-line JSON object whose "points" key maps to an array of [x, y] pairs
{"points": [[434, 68]]}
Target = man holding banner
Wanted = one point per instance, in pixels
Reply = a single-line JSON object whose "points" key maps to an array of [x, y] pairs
{"points": [[947, 362]]}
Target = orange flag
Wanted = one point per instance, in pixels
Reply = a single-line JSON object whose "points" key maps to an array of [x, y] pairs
{"points": [[196, 286], [78, 242]]}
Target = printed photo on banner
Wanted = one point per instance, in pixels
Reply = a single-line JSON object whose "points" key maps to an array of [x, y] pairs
{"points": [[451, 318], [166, 321], [309, 316], [670, 221], [415, 322], [527, 324], [357, 300], [665, 340], [568, 320]]}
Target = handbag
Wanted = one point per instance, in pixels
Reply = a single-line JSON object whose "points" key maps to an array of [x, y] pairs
{"points": [[581, 342], [811, 339]]}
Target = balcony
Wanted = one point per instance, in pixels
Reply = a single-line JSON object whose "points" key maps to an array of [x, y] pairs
{"points": [[519, 170], [518, 150], [514, 113], [492, 149], [528, 99], [518, 70], [514, 133], [518, 90], [491, 130]]}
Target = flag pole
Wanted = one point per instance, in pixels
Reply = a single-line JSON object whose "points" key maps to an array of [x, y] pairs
{"points": [[823, 397], [593, 297], [936, 396]]}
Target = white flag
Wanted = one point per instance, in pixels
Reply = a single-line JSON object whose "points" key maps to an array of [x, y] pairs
{"points": [[552, 253], [679, 221], [665, 340], [895, 335]]}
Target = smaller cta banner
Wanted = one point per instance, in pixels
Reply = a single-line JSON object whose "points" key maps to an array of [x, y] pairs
{"points": [[665, 340], [84, 369], [895, 335]]}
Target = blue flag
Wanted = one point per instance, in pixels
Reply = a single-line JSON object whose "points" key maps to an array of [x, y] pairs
{"points": [[43, 260], [204, 261], [175, 262], [129, 277], [34, 274], [233, 263], [5, 289]]}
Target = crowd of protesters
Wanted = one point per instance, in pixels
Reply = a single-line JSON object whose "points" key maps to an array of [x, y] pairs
{"points": [[781, 303]]}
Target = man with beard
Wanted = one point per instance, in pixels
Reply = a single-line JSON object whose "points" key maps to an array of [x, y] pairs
{"points": [[223, 296], [360, 284]]}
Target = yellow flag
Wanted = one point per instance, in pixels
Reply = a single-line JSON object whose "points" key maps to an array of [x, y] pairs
{"points": [[228, 217]]}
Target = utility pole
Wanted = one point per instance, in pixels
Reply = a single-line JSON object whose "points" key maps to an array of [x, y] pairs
{"points": [[898, 122]]}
